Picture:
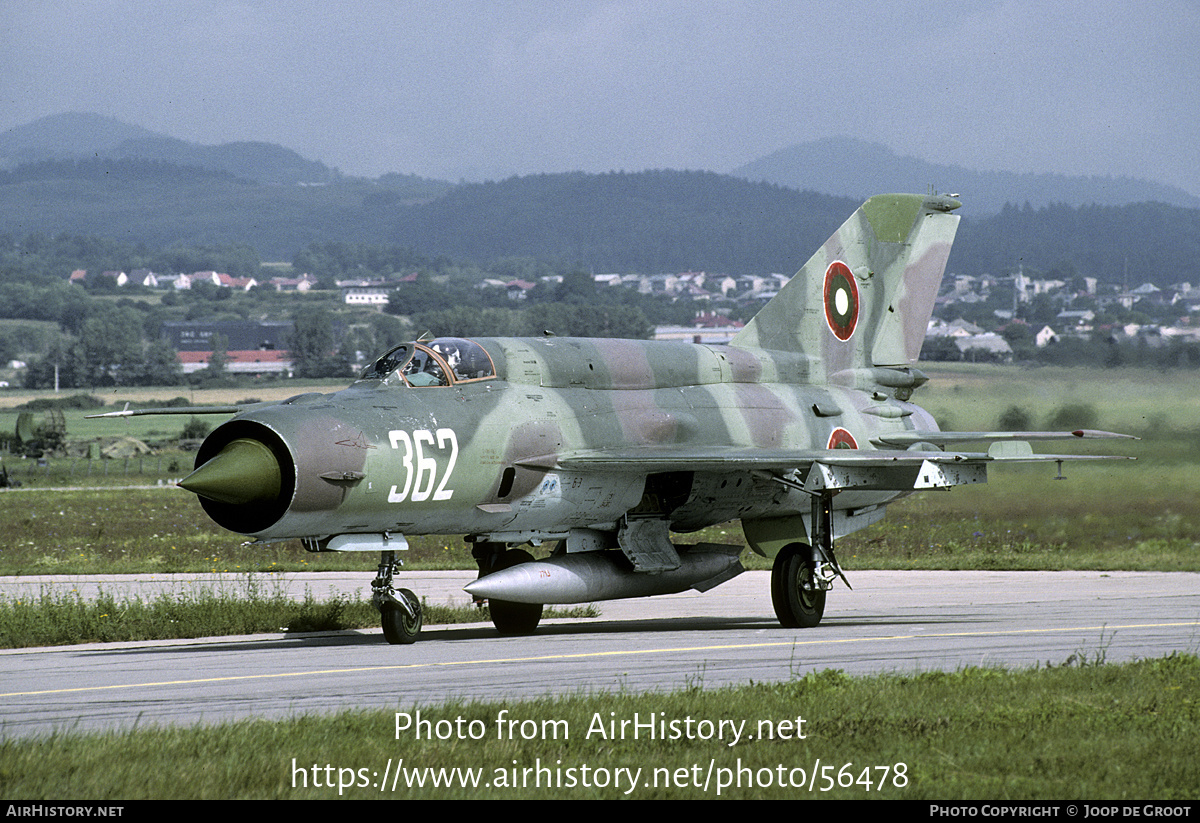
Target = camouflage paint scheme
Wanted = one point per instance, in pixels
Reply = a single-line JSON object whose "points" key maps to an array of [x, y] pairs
{"points": [[801, 428], [558, 407]]}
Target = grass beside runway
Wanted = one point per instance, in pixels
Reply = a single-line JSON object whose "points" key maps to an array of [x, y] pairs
{"points": [[1080, 730], [1134, 516], [63, 618]]}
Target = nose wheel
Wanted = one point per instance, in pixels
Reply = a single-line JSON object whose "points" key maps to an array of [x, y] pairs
{"points": [[399, 609]]}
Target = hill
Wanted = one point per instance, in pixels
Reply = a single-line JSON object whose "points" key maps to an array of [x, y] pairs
{"points": [[260, 162], [95, 176], [63, 136], [652, 221], [845, 166], [161, 204], [83, 136], [81, 173]]}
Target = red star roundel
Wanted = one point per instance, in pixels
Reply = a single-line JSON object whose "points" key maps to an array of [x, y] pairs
{"points": [[841, 300], [842, 439]]}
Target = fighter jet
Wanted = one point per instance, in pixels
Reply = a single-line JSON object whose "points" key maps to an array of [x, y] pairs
{"points": [[602, 452]]}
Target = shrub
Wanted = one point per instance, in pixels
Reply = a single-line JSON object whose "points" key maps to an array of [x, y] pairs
{"points": [[195, 429], [1015, 419], [74, 401], [1074, 416]]}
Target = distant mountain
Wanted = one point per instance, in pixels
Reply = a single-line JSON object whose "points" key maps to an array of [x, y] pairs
{"points": [[848, 167], [650, 221], [260, 162], [66, 136], [79, 136], [83, 174]]}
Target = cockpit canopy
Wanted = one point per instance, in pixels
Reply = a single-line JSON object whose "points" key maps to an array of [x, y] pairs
{"points": [[438, 362]]}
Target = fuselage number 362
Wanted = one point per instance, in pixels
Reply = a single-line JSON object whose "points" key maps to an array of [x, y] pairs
{"points": [[421, 471]]}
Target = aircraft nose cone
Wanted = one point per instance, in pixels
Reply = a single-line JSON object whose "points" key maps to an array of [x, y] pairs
{"points": [[244, 471]]}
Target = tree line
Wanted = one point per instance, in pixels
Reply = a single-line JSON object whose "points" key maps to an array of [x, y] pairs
{"points": [[649, 222]]}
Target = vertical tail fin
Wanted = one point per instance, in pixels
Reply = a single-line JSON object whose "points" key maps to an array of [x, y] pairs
{"points": [[865, 298]]}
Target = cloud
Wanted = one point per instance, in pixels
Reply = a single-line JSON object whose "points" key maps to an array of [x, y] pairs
{"points": [[524, 86]]}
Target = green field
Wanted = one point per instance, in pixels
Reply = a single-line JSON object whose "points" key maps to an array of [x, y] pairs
{"points": [[1133, 516], [1076, 730], [1134, 401], [150, 427]]}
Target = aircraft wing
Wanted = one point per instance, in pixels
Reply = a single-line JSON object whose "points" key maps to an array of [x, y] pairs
{"points": [[820, 469], [941, 438]]}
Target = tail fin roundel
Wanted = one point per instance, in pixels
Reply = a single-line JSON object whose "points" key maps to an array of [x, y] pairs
{"points": [[865, 298]]}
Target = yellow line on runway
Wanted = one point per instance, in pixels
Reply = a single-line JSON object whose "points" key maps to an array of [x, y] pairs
{"points": [[583, 655]]}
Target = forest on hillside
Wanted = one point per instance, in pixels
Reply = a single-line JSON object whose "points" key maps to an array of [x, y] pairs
{"points": [[648, 222]]}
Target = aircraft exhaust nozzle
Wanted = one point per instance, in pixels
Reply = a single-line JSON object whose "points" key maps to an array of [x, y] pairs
{"points": [[589, 577], [245, 471]]}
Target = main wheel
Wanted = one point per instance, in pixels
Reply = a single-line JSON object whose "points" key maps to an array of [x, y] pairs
{"points": [[511, 618], [398, 626], [796, 607]]}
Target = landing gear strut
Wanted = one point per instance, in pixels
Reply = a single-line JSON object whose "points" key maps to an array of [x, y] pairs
{"points": [[804, 573], [399, 609], [509, 618]]}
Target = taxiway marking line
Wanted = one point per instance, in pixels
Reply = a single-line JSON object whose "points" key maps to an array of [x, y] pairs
{"points": [[582, 655]]}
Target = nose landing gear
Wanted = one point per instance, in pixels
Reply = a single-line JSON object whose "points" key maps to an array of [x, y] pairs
{"points": [[399, 609]]}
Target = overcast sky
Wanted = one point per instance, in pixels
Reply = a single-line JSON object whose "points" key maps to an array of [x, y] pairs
{"points": [[499, 87]]}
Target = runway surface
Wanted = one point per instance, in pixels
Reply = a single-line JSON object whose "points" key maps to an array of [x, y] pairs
{"points": [[891, 622]]}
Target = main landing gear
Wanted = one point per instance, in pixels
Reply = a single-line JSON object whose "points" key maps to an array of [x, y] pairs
{"points": [[796, 591], [803, 573], [399, 609], [509, 618]]}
